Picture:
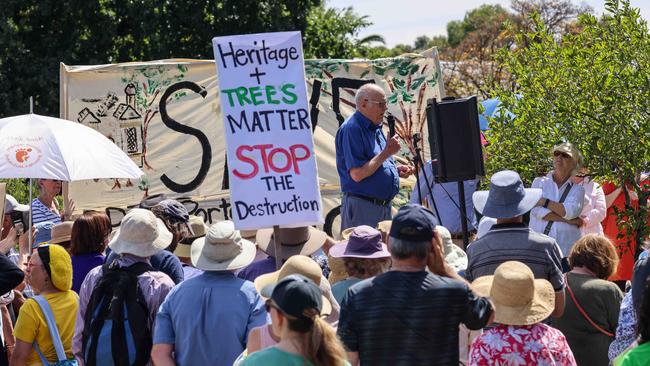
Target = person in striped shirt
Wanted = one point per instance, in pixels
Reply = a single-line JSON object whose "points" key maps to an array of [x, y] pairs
{"points": [[44, 206]]}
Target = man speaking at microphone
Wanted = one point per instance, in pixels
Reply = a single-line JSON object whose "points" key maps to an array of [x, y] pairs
{"points": [[364, 160]]}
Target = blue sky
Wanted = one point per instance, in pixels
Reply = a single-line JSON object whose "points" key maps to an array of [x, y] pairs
{"points": [[411, 18]]}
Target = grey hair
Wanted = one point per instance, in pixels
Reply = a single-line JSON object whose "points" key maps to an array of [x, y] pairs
{"points": [[364, 90], [404, 249]]}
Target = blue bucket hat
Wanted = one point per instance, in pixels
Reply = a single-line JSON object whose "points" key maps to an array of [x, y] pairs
{"points": [[507, 196], [43, 232]]}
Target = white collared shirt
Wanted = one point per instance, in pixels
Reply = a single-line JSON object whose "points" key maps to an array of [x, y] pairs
{"points": [[565, 234], [594, 209]]}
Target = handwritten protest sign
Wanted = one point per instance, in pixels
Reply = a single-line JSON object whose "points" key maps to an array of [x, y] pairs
{"points": [[270, 150], [162, 114]]}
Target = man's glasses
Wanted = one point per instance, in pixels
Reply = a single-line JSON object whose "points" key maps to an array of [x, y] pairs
{"points": [[381, 103]]}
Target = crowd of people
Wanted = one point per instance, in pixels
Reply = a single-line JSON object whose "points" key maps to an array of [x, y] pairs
{"points": [[535, 286]]}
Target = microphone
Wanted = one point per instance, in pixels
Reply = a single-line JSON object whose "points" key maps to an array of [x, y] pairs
{"points": [[391, 124]]}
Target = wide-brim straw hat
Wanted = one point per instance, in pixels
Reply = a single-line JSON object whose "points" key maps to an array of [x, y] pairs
{"points": [[304, 240], [198, 228], [518, 298], [61, 232], [455, 257], [298, 264], [507, 196], [222, 249], [141, 234]]}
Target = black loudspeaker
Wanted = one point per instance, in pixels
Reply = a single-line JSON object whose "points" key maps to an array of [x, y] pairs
{"points": [[455, 139]]}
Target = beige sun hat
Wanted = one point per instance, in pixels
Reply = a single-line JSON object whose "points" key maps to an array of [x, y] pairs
{"points": [[61, 232], [518, 298], [198, 228], [455, 257], [303, 240], [337, 266], [141, 234], [298, 264], [570, 149], [249, 234], [222, 249], [384, 229], [345, 234]]}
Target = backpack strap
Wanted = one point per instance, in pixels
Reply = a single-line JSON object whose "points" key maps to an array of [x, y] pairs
{"points": [[582, 311], [102, 309], [54, 331], [139, 268], [547, 229]]}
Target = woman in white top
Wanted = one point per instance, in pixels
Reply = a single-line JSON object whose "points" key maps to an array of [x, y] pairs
{"points": [[594, 209], [560, 220]]}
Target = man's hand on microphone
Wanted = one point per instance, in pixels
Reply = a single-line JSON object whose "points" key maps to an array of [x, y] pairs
{"points": [[392, 146]]}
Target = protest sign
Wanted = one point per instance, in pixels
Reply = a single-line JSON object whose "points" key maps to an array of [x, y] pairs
{"points": [[270, 151], [178, 140]]}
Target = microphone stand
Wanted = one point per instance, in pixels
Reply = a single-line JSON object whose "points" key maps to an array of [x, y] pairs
{"points": [[417, 158]]}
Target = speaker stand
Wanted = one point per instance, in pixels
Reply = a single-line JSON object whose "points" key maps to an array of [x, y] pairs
{"points": [[463, 213]]}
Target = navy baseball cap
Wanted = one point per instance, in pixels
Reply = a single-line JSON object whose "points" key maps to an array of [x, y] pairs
{"points": [[298, 296], [414, 223], [150, 201]]}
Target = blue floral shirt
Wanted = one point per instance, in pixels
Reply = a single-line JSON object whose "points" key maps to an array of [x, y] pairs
{"points": [[626, 330]]}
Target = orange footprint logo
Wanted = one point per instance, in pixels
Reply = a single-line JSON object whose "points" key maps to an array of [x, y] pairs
{"points": [[22, 155]]}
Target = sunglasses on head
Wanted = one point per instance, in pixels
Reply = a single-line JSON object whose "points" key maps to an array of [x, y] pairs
{"points": [[269, 304], [562, 154]]}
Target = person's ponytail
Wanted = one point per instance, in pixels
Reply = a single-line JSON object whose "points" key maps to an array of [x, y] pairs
{"points": [[322, 346]]}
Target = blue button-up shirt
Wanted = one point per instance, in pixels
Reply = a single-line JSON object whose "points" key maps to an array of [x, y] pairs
{"points": [[357, 141], [208, 318]]}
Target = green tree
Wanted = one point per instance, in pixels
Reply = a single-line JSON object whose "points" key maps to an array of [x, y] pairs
{"points": [[474, 42], [333, 33], [588, 88], [422, 42], [455, 32], [558, 15], [474, 20], [35, 35]]}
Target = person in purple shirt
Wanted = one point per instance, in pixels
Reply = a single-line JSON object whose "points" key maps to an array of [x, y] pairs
{"points": [[304, 240], [87, 243]]}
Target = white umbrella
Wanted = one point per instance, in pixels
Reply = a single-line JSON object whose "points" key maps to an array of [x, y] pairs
{"points": [[35, 146]]}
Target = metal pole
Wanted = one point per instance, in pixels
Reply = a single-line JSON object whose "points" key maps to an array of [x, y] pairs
{"points": [[463, 213], [28, 231], [277, 247]]}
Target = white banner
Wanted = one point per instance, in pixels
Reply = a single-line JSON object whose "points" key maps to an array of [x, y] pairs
{"points": [[166, 115], [270, 150]]}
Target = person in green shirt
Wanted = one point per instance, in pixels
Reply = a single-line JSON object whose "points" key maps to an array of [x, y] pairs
{"points": [[295, 306], [639, 355]]}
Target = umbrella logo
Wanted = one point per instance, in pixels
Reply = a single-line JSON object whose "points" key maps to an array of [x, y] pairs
{"points": [[23, 155]]}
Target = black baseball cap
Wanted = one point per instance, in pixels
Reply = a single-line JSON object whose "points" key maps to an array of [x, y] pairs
{"points": [[414, 223], [298, 296], [150, 201]]}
